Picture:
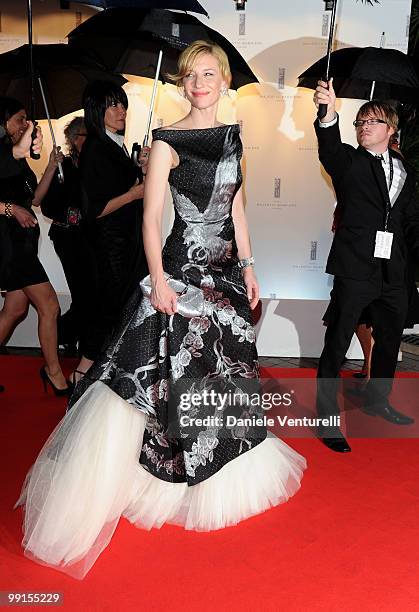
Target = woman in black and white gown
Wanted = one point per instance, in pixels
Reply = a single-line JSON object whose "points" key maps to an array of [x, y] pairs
{"points": [[122, 449]]}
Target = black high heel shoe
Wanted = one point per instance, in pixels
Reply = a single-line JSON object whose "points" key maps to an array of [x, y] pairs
{"points": [[47, 381]]}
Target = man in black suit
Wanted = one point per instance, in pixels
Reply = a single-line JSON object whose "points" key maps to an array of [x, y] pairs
{"points": [[368, 257]]}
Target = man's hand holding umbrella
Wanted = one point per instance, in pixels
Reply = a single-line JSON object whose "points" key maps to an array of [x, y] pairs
{"points": [[325, 94]]}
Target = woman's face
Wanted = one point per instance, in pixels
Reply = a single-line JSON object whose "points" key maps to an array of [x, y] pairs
{"points": [[79, 139], [17, 125], [204, 82], [115, 116]]}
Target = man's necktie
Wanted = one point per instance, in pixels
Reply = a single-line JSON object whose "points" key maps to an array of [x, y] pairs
{"points": [[379, 156]]}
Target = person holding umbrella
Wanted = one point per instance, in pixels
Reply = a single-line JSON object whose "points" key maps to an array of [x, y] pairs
{"points": [[188, 328], [10, 154], [25, 279], [379, 226], [61, 201], [112, 211]]}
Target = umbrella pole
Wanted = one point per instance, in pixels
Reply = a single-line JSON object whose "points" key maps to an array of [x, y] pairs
{"points": [[153, 98], [31, 75], [372, 90], [54, 142], [323, 107]]}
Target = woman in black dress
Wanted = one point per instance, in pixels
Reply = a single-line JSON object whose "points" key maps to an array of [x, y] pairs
{"points": [[25, 279], [112, 208], [61, 201], [114, 453], [9, 167]]}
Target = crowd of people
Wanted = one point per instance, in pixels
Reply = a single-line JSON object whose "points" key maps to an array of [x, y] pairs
{"points": [[121, 449]]}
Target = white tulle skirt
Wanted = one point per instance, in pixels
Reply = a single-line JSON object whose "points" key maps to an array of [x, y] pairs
{"points": [[87, 476]]}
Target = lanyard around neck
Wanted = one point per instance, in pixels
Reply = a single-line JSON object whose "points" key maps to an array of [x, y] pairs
{"points": [[388, 202]]}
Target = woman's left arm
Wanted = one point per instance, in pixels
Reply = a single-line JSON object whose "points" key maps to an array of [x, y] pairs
{"points": [[244, 250]]}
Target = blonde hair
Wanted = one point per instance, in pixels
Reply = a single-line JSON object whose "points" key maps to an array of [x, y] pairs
{"points": [[189, 56], [380, 109]]}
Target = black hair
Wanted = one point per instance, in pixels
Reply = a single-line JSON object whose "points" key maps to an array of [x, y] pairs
{"points": [[8, 108], [97, 97]]}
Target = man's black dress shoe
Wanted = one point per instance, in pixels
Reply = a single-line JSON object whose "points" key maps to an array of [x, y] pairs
{"points": [[388, 413], [335, 440]]}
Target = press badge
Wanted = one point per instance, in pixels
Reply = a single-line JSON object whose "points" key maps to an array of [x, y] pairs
{"points": [[383, 242]]}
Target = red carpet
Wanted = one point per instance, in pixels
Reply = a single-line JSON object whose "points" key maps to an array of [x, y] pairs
{"points": [[347, 541]]}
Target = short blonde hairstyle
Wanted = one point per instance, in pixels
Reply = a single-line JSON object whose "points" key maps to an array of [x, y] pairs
{"points": [[380, 109], [189, 56]]}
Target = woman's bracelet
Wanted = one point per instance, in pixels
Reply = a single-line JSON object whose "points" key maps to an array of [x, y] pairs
{"points": [[245, 263], [8, 209]]}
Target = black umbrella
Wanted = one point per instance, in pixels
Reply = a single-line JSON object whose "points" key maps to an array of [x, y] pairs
{"points": [[367, 72], [129, 41], [64, 73], [192, 6]]}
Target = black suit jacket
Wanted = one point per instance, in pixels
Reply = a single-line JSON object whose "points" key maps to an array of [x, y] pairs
{"points": [[360, 185]]}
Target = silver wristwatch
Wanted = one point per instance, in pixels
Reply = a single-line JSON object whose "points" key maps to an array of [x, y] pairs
{"points": [[245, 263]]}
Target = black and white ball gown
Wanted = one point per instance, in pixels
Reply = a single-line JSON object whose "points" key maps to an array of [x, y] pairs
{"points": [[113, 454]]}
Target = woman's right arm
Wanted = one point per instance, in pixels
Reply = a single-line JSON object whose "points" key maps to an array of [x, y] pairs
{"points": [[22, 216], [101, 182], [163, 298], [136, 192]]}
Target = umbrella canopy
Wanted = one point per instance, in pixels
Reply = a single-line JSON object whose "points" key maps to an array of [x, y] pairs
{"points": [[192, 6], [358, 72], [128, 41], [64, 74]]}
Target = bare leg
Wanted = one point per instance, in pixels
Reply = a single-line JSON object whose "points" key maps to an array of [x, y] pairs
{"points": [[44, 298], [366, 341], [14, 309], [82, 368]]}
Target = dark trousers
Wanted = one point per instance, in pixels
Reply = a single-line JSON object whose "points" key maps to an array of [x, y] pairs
{"points": [[388, 306], [74, 254]]}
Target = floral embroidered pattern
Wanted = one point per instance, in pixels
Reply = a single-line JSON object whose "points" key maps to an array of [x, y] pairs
{"points": [[152, 355]]}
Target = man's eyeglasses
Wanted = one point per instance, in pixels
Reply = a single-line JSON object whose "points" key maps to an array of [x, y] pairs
{"points": [[360, 122]]}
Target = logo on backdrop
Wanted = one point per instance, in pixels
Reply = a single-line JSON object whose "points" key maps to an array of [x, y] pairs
{"points": [[325, 24], [277, 188], [281, 78], [313, 250], [242, 24]]}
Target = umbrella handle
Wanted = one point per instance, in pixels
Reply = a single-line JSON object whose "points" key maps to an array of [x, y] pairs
{"points": [[322, 111], [34, 155], [54, 142]]}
